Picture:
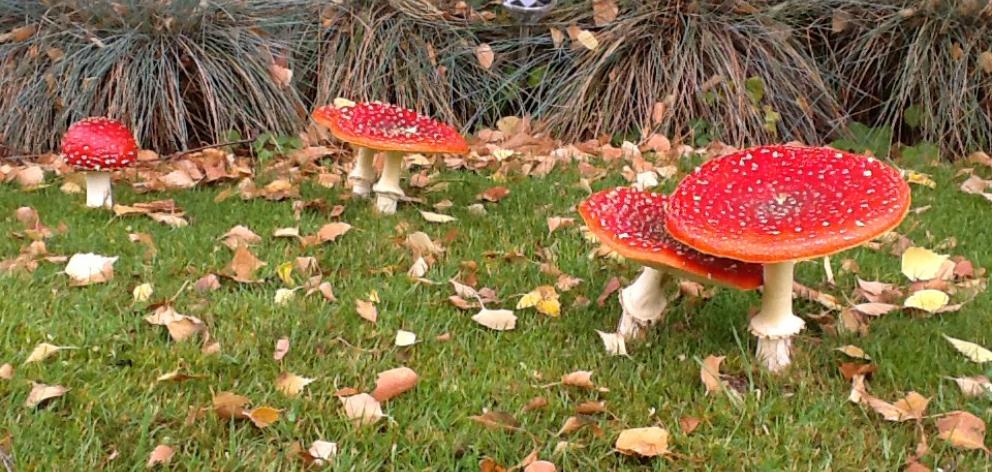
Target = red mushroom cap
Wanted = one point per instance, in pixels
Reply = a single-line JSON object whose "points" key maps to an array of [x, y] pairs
{"points": [[632, 223], [785, 203], [99, 144], [386, 127]]}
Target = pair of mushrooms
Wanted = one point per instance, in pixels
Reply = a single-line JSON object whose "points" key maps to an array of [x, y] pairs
{"points": [[376, 126], [101, 145], [743, 221]]}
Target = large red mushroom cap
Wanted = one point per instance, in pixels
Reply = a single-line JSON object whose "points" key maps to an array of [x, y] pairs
{"points": [[99, 144], [386, 127], [786, 203], [632, 223]]}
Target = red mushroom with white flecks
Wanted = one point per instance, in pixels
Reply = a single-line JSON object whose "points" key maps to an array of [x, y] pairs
{"points": [[632, 223], [98, 146], [776, 205], [376, 126]]}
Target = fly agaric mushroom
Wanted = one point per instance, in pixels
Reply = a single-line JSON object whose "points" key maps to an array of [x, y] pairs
{"points": [[776, 205], [97, 146], [632, 223], [396, 130]]}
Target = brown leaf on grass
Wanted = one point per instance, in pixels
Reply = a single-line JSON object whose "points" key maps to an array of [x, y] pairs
{"points": [[6, 371], [827, 300], [207, 283], [292, 385], [282, 348], [362, 409], [494, 194], [487, 464], [499, 320], [240, 236], [32, 223], [229, 405], [852, 369], [421, 245], [541, 466], [709, 373], [147, 241], [43, 351], [41, 393], [496, 420], [875, 308], [974, 386], [644, 442], [575, 423], [911, 407], [176, 376], [263, 416], [611, 286], [185, 327], [963, 430], [579, 378], [243, 266], [161, 455], [332, 231], [557, 222], [30, 177], [688, 424], [591, 407], [536, 403], [393, 382], [367, 310]]}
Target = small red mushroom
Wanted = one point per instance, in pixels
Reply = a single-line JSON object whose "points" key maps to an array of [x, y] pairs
{"points": [[632, 223], [375, 126], [98, 146], [776, 205]]}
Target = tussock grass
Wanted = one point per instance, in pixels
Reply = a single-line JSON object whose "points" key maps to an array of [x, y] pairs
{"points": [[179, 72]]}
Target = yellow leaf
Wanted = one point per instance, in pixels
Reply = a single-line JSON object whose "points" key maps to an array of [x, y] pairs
{"points": [[644, 442], [587, 39], [342, 102], [928, 300], [285, 273], [550, 307], [920, 178], [854, 351], [921, 264], [291, 385], [971, 350], [43, 351], [263, 416]]}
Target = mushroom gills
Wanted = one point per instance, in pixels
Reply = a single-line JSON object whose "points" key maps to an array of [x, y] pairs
{"points": [[98, 193], [363, 174], [387, 190], [643, 302], [775, 324]]}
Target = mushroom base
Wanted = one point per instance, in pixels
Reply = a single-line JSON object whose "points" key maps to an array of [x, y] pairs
{"points": [[363, 174], [98, 193], [775, 324], [387, 190], [643, 302]]}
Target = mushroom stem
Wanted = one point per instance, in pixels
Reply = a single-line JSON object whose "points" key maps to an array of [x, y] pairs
{"points": [[387, 190], [98, 194], [363, 174], [775, 324], [643, 303]]}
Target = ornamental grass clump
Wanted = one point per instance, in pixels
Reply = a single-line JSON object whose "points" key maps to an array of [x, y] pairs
{"points": [[178, 73]]}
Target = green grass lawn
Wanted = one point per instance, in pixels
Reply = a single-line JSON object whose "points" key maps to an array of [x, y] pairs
{"points": [[798, 421]]}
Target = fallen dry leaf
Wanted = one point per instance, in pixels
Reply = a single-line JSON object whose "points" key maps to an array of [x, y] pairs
{"points": [[928, 300], [323, 452], [496, 420], [207, 283], [499, 320], [6, 371], [88, 268], [544, 299], [974, 386], [43, 351], [963, 430], [142, 292], [240, 235], [541, 466], [557, 222], [921, 264], [229, 405], [854, 351], [362, 409], [688, 424], [405, 338], [484, 53], [41, 393], [604, 11], [243, 266], [161, 455], [432, 217], [709, 373], [291, 385], [393, 382], [367, 310], [332, 231], [972, 351], [282, 348], [911, 407], [579, 378], [494, 194], [645, 442], [263, 416]]}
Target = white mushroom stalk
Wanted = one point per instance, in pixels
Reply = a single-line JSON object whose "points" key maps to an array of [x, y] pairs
{"points": [[363, 173], [643, 302], [98, 192], [775, 324], [387, 190]]}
